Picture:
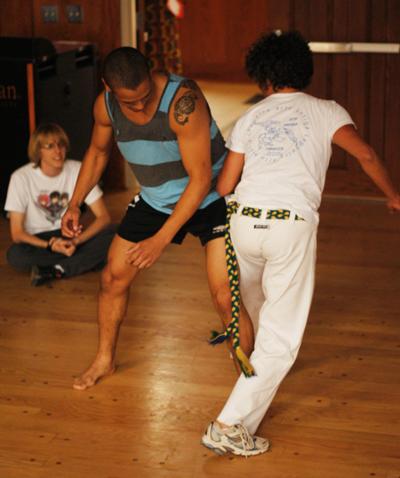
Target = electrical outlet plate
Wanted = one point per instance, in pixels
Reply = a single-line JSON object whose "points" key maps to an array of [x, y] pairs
{"points": [[74, 13], [49, 13]]}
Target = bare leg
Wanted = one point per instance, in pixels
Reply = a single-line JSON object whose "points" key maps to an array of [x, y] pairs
{"points": [[218, 282], [113, 299]]}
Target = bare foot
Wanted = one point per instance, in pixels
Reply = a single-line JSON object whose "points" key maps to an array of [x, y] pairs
{"points": [[99, 369]]}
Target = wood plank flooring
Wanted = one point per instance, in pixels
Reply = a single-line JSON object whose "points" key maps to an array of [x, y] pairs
{"points": [[336, 415]]}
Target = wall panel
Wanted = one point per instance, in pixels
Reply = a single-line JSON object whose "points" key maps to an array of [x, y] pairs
{"points": [[101, 23], [16, 18], [101, 26], [365, 84], [215, 34], [392, 102]]}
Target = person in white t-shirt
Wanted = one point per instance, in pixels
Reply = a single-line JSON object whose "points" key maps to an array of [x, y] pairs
{"points": [[37, 197], [279, 152]]}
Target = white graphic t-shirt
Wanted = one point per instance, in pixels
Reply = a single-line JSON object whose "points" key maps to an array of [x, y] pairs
{"points": [[286, 139], [44, 199]]}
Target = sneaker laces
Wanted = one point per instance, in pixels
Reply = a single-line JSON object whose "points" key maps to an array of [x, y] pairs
{"points": [[246, 440]]}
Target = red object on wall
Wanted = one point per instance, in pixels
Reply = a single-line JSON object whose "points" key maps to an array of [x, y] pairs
{"points": [[175, 7]]}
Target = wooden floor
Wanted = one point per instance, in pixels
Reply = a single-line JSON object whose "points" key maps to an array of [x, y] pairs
{"points": [[336, 415]]}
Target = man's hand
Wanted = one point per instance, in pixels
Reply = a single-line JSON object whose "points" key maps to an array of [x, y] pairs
{"points": [[393, 204], [144, 254], [70, 226], [63, 246]]}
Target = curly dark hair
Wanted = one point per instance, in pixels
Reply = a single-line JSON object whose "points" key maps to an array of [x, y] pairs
{"points": [[281, 60]]}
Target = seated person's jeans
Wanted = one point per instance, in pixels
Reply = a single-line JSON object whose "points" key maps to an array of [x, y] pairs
{"points": [[91, 255]]}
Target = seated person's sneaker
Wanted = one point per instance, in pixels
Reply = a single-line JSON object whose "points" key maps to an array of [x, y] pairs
{"points": [[235, 439], [43, 274]]}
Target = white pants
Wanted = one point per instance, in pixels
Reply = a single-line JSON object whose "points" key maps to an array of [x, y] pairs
{"points": [[277, 267]]}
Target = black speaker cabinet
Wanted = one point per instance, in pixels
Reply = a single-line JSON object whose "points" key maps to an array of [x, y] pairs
{"points": [[43, 81]]}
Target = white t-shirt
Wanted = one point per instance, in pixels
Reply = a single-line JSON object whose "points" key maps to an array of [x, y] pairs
{"points": [[286, 139], [43, 199]]}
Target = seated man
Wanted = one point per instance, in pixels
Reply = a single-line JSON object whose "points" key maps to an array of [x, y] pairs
{"points": [[37, 196]]}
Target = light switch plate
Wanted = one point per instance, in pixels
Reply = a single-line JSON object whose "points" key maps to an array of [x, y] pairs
{"points": [[74, 13], [49, 13]]}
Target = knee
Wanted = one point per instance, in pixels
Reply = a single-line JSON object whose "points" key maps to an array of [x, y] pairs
{"points": [[17, 259], [105, 236], [112, 282], [223, 301]]}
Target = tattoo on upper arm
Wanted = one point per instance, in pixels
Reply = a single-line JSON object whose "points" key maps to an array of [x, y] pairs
{"points": [[186, 103]]}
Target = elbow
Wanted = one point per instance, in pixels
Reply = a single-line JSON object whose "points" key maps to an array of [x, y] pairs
{"points": [[223, 188], [204, 183], [208, 183], [105, 220], [16, 238], [208, 176], [367, 156]]}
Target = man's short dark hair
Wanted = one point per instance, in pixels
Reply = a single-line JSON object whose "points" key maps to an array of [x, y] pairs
{"points": [[125, 67], [280, 60]]}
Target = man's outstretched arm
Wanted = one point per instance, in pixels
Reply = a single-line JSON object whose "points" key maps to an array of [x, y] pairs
{"points": [[348, 139], [101, 220], [92, 168]]}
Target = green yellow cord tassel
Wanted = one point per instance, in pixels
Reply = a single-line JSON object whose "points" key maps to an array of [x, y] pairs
{"points": [[232, 329]]}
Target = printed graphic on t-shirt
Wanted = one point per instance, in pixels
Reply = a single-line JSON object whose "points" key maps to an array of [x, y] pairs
{"points": [[53, 204], [277, 132]]}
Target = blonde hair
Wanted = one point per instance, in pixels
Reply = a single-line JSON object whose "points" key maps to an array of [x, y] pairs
{"points": [[41, 135]]}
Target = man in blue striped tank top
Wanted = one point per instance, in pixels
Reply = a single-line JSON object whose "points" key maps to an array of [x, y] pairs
{"points": [[164, 129]]}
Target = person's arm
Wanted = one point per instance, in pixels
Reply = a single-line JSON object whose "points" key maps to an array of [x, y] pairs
{"points": [[92, 168], [190, 120], [101, 221], [230, 173], [348, 139], [20, 235]]}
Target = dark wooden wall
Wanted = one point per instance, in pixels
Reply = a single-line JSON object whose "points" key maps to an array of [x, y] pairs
{"points": [[216, 34], [16, 18], [101, 26]]}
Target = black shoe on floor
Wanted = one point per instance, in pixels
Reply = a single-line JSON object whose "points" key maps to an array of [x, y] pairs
{"points": [[42, 275]]}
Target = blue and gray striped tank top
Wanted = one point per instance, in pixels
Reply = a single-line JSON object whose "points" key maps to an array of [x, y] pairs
{"points": [[153, 153]]}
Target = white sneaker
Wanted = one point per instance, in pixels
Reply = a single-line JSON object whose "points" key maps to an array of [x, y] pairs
{"points": [[235, 439]]}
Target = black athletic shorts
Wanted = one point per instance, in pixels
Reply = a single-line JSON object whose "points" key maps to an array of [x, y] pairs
{"points": [[141, 221]]}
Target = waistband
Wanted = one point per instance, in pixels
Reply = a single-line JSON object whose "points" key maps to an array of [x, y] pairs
{"points": [[263, 213]]}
